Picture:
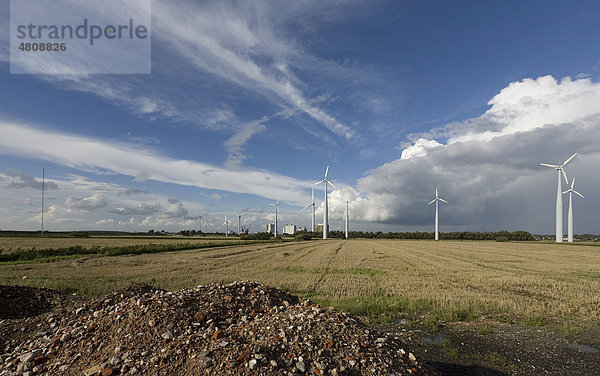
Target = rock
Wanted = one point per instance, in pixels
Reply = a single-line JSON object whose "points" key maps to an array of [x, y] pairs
{"points": [[168, 335], [65, 337], [301, 366], [92, 370], [252, 363]]}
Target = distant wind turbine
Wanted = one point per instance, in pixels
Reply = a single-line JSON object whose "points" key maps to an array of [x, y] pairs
{"points": [[276, 207], [559, 202], [436, 200], [570, 191], [226, 224], [326, 213], [312, 203]]}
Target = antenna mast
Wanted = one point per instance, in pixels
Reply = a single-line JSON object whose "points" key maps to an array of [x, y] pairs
{"points": [[43, 183]]}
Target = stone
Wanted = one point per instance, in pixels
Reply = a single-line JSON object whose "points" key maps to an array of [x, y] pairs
{"points": [[168, 335], [301, 366]]}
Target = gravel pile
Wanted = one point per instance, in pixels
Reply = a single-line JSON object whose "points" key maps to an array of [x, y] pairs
{"points": [[243, 328]]}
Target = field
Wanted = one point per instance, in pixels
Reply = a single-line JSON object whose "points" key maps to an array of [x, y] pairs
{"points": [[10, 244], [497, 307], [441, 281]]}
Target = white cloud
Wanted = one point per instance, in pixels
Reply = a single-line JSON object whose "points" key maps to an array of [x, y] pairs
{"points": [[488, 170], [91, 203], [96, 155], [419, 148]]}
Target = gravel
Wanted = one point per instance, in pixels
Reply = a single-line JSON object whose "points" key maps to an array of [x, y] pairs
{"points": [[243, 328]]}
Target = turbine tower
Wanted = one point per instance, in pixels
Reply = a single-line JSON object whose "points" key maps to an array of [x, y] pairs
{"points": [[347, 218], [276, 207], [312, 203], [326, 213], [226, 224], [559, 202], [239, 215], [570, 223], [437, 199]]}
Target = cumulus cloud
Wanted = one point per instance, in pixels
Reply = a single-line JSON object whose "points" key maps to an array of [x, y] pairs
{"points": [[93, 202], [24, 180], [488, 168]]}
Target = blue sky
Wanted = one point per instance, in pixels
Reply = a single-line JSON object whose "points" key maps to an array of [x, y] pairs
{"points": [[248, 102]]}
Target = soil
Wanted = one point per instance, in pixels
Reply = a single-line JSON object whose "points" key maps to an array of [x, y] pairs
{"points": [[486, 347]]}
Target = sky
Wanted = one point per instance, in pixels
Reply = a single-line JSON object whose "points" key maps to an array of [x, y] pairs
{"points": [[247, 103]]}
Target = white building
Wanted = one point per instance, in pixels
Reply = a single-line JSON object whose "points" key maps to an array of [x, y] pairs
{"points": [[289, 229], [270, 228]]}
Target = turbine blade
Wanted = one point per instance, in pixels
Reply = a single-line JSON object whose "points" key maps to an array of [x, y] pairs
{"points": [[567, 191], [565, 175], [572, 183], [306, 207], [431, 202], [436, 193], [277, 202], [442, 200], [580, 195], [331, 184], [326, 171], [549, 165], [569, 160], [317, 183]]}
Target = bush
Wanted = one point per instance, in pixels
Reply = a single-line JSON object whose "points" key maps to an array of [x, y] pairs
{"points": [[257, 236], [501, 239], [302, 237]]}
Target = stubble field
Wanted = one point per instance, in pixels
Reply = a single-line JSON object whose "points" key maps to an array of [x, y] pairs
{"points": [[439, 281]]}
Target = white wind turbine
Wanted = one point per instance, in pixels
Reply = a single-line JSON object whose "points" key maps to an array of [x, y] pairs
{"points": [[570, 191], [347, 218], [276, 207], [312, 203], [559, 202], [226, 224], [437, 199], [326, 213], [239, 215]]}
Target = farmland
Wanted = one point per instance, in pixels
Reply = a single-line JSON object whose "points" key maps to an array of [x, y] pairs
{"points": [[493, 303], [450, 281]]}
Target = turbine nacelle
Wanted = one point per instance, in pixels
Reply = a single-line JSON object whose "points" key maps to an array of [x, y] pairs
{"points": [[572, 189], [561, 167]]}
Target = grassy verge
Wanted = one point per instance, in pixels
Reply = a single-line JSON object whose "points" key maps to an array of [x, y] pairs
{"points": [[57, 254]]}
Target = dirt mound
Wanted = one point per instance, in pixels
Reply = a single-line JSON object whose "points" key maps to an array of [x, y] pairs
{"points": [[243, 328], [20, 302]]}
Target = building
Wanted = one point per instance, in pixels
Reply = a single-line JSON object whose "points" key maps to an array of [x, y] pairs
{"points": [[289, 229], [270, 228]]}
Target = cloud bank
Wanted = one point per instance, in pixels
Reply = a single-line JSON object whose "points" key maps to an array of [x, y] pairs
{"points": [[488, 167]]}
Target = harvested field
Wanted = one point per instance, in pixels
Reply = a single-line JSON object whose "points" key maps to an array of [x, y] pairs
{"points": [[453, 280], [500, 308], [10, 244]]}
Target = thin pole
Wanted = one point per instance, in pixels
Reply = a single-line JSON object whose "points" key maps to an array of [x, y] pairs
{"points": [[347, 219], [43, 188]]}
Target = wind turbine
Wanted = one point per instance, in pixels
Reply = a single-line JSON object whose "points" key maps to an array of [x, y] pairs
{"points": [[437, 199], [570, 191], [347, 218], [559, 202], [312, 203], [239, 215], [326, 213], [276, 207], [226, 224]]}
